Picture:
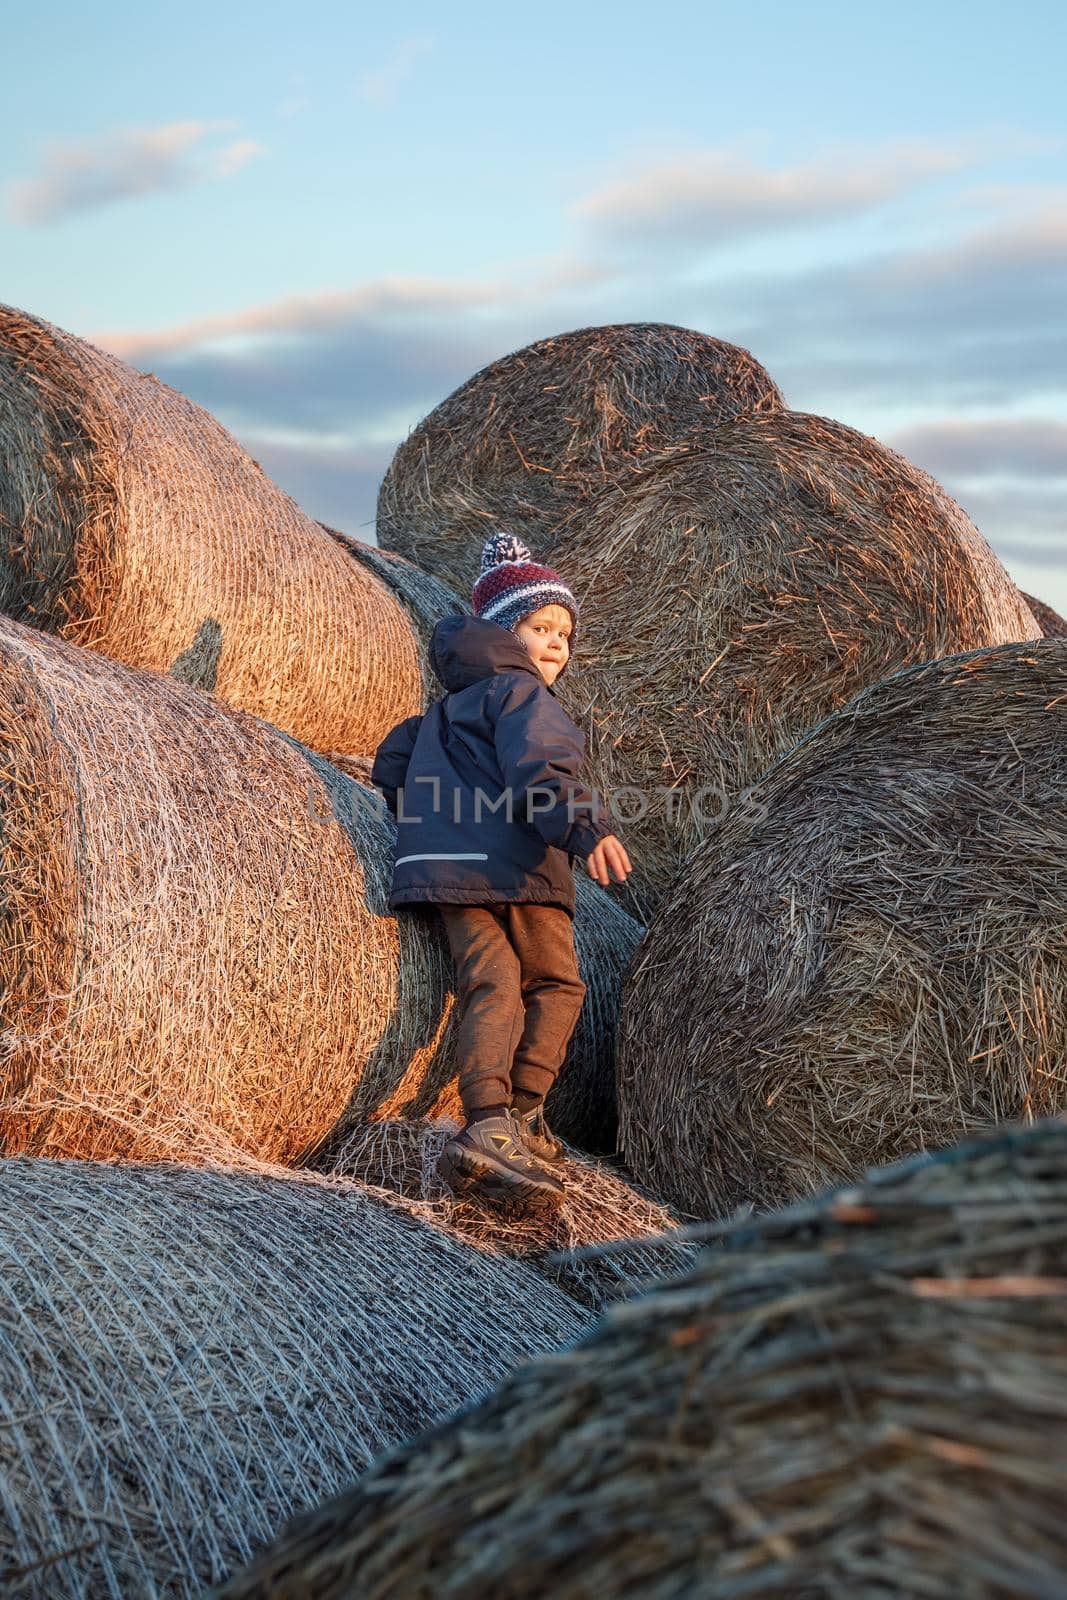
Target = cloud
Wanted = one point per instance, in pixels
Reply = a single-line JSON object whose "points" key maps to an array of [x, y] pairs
{"points": [[977, 323], [381, 301], [715, 197], [994, 447], [381, 85], [126, 164], [235, 156], [351, 364]]}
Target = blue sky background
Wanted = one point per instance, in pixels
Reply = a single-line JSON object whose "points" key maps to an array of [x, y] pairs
{"points": [[318, 220]]}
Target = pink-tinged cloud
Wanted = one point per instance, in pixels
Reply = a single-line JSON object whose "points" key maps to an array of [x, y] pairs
{"points": [[383, 303], [995, 447], [380, 85], [127, 164], [714, 197]]}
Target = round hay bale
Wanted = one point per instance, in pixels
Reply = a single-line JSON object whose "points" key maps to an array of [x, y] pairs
{"points": [[188, 1358], [136, 526], [1052, 625], [739, 589], [871, 958], [532, 435], [425, 598], [358, 767], [603, 1205], [862, 1397], [197, 957]]}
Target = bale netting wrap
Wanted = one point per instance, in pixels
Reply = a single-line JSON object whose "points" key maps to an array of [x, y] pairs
{"points": [[1052, 625], [736, 591], [863, 1397], [602, 1205], [871, 957], [197, 958], [187, 1358], [425, 598], [531, 436], [188, 962], [135, 525]]}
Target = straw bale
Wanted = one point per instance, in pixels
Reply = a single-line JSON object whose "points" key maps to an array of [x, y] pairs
{"points": [[1052, 625], [135, 525], [739, 589], [602, 1204], [188, 1358], [532, 435], [861, 1397], [425, 598], [358, 767], [196, 952], [870, 959]]}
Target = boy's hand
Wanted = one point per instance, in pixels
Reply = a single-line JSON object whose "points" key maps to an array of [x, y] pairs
{"points": [[609, 853]]}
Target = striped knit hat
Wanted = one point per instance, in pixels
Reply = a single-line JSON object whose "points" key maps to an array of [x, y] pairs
{"points": [[511, 585]]}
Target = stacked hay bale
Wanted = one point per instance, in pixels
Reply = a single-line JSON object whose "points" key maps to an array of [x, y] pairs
{"points": [[1052, 625], [864, 1396], [744, 570], [870, 957], [197, 957], [188, 1358], [740, 589], [132, 523], [602, 1205], [530, 436]]}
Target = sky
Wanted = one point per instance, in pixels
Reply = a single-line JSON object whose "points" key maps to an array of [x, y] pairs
{"points": [[317, 220]]}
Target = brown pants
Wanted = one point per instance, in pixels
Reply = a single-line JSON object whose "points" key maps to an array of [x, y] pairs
{"points": [[518, 997]]}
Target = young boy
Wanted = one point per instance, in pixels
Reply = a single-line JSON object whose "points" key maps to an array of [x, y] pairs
{"points": [[479, 786]]}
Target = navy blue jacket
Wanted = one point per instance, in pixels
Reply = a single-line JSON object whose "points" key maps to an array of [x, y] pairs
{"points": [[449, 776]]}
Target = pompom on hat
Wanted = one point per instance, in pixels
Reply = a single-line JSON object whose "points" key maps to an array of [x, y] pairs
{"points": [[512, 584]]}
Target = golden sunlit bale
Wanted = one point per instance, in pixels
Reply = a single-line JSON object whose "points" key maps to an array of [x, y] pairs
{"points": [[871, 957], [425, 598], [196, 953], [187, 1358], [859, 1396], [739, 589], [135, 525], [528, 438]]}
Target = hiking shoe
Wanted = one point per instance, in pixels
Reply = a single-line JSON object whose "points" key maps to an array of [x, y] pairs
{"points": [[489, 1161], [536, 1135]]}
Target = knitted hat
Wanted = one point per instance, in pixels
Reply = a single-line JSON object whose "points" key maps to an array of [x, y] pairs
{"points": [[511, 585]]}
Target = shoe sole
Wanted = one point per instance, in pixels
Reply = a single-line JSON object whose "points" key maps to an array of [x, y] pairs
{"points": [[468, 1177]]}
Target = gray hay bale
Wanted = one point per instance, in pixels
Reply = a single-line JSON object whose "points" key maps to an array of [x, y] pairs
{"points": [[860, 1397], [739, 589], [602, 1205], [188, 1358], [1052, 625], [533, 435], [136, 526], [871, 958], [197, 958]]}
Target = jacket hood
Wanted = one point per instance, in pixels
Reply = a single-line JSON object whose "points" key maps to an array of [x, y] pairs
{"points": [[466, 649]]}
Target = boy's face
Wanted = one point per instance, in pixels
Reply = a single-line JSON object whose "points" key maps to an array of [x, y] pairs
{"points": [[547, 635]]}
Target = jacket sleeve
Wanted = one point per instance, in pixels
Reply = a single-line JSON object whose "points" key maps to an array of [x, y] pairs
{"points": [[391, 759], [538, 747]]}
